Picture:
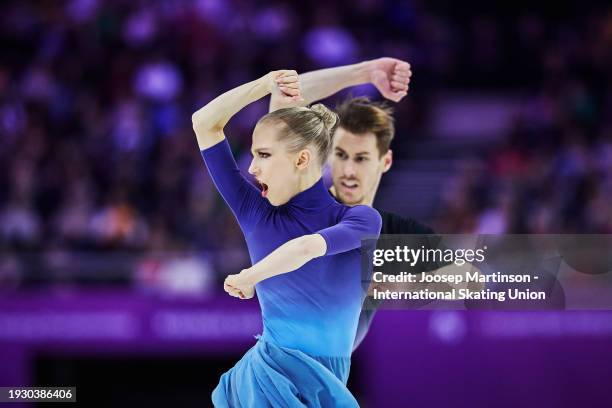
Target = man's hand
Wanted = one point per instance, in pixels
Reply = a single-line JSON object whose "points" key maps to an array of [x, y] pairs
{"points": [[285, 88], [238, 286], [390, 76]]}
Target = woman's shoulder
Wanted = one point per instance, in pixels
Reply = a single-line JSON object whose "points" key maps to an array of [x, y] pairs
{"points": [[363, 214], [363, 210]]}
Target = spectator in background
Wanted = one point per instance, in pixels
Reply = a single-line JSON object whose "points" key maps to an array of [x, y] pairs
{"points": [[114, 80]]}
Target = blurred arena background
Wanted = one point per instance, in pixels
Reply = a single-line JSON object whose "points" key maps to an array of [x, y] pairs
{"points": [[114, 242]]}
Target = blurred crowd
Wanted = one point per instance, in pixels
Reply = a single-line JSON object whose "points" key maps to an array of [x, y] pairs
{"points": [[551, 170], [97, 151]]}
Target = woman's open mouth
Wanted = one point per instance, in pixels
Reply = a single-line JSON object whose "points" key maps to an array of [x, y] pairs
{"points": [[264, 189]]}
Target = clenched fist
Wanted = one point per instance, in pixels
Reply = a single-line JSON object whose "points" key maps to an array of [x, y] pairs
{"points": [[238, 286], [390, 76]]}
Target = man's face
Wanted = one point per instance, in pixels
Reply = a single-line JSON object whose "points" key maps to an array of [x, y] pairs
{"points": [[357, 166]]}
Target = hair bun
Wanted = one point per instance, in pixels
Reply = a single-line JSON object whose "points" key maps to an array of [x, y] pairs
{"points": [[329, 117]]}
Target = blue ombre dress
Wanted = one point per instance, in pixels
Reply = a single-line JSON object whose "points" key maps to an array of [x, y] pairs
{"points": [[309, 315]]}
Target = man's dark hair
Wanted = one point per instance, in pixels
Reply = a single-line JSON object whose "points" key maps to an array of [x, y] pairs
{"points": [[361, 115]]}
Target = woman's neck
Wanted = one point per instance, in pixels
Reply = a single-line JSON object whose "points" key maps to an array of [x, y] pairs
{"points": [[308, 180]]}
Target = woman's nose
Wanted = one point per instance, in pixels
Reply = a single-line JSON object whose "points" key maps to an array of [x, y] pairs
{"points": [[252, 169]]}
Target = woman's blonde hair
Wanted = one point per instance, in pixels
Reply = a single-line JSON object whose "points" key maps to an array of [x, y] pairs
{"points": [[306, 126]]}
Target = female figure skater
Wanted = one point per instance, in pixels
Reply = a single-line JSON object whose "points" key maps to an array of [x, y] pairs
{"points": [[305, 248]]}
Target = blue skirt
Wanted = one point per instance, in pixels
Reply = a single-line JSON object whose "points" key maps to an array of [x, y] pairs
{"points": [[272, 376]]}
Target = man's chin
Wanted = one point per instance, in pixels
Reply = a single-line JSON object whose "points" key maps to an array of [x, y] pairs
{"points": [[350, 199]]}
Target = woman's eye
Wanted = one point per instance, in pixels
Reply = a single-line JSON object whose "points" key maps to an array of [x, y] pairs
{"points": [[341, 155], [264, 155]]}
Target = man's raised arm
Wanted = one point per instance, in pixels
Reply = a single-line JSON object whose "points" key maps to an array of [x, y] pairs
{"points": [[389, 75]]}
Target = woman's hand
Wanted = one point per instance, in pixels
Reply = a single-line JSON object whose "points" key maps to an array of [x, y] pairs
{"points": [[209, 121], [239, 286], [285, 88]]}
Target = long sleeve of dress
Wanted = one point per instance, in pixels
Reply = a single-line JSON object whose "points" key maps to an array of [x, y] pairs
{"points": [[240, 195], [357, 223]]}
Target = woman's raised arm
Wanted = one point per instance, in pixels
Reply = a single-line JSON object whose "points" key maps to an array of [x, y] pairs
{"points": [[209, 121]]}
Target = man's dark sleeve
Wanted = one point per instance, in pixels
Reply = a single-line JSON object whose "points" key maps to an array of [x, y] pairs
{"points": [[412, 226], [393, 224]]}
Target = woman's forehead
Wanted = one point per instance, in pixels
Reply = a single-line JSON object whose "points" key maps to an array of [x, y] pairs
{"points": [[262, 138], [265, 135]]}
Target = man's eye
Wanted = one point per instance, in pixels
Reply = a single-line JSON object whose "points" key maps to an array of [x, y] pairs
{"points": [[361, 159]]}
